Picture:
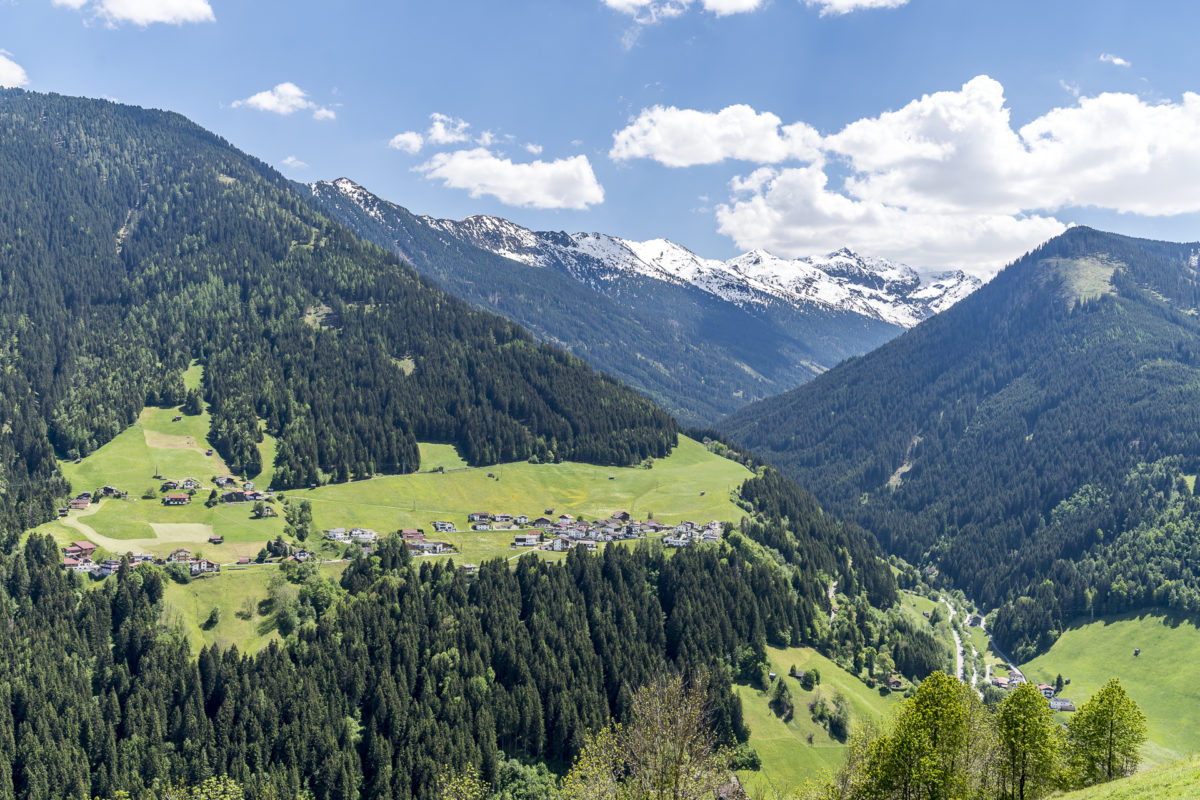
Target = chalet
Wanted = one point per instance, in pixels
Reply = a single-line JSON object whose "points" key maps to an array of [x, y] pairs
{"points": [[169, 486], [84, 549], [543, 522], [999, 682], [363, 535], [216, 539], [428, 548], [527, 540], [248, 486], [443, 527], [1060, 704], [521, 519], [189, 483], [112, 491], [337, 534], [468, 569], [481, 526], [71, 563], [976, 621], [561, 544], [895, 684], [1046, 689], [202, 566], [80, 504], [502, 518], [181, 554], [565, 519], [177, 500], [479, 516], [621, 515], [109, 567], [412, 533], [222, 482]]}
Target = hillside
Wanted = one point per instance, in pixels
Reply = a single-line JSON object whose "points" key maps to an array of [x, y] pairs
{"points": [[1163, 678], [701, 337], [1179, 781], [1033, 442], [135, 242]]}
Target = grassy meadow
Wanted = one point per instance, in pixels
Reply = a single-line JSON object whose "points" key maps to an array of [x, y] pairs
{"points": [[800, 750], [1164, 679], [1178, 781]]}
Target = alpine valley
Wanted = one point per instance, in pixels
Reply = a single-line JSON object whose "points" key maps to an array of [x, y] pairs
{"points": [[700, 336]]}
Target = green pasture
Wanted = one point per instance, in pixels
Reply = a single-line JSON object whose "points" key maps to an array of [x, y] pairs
{"points": [[1164, 679], [1178, 781], [801, 749]]}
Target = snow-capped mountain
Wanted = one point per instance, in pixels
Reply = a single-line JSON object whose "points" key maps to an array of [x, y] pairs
{"points": [[876, 288], [701, 336]]}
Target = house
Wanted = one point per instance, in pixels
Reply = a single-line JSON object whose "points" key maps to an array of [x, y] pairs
{"points": [[70, 563], [479, 516], [109, 567], [189, 483], [1060, 704], [412, 533], [222, 482], [976, 621], [443, 527], [363, 535], [543, 522], [999, 682], [181, 554], [527, 540], [80, 504], [420, 547], [269, 511], [560, 544], [502, 518], [895, 684], [243, 560], [521, 519], [202, 566], [80, 549], [481, 526], [621, 515], [337, 534], [1046, 689], [565, 519], [169, 486], [468, 569], [63, 511], [177, 500], [216, 539], [248, 486]]}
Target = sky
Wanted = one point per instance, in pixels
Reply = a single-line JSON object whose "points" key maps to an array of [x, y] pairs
{"points": [[942, 133]]}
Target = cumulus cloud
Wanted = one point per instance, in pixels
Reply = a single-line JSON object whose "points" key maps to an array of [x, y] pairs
{"points": [[1116, 61], [682, 137], [286, 98], [11, 73], [533, 149], [447, 130], [145, 12], [565, 183], [409, 142], [294, 163], [946, 179]]}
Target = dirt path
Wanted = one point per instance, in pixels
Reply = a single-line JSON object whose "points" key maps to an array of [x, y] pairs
{"points": [[959, 670]]}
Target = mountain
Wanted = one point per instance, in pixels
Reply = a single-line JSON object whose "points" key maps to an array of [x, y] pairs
{"points": [[1037, 442], [700, 337], [135, 242]]}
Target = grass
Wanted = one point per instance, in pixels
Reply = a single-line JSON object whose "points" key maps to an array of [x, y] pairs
{"points": [[1178, 781], [1164, 680], [189, 605], [788, 756]]}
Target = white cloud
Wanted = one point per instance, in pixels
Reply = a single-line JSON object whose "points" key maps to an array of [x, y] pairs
{"points": [[409, 142], [683, 137], [145, 12], [447, 130], [1116, 61], [564, 183], [486, 139], [11, 73], [945, 180], [648, 12], [294, 163], [533, 149], [286, 98], [829, 7]]}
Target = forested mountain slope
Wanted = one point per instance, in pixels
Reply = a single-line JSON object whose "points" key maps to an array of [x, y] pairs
{"points": [[1032, 441], [695, 352], [132, 242]]}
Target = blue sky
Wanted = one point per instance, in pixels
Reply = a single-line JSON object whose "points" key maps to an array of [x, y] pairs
{"points": [[940, 132]]}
